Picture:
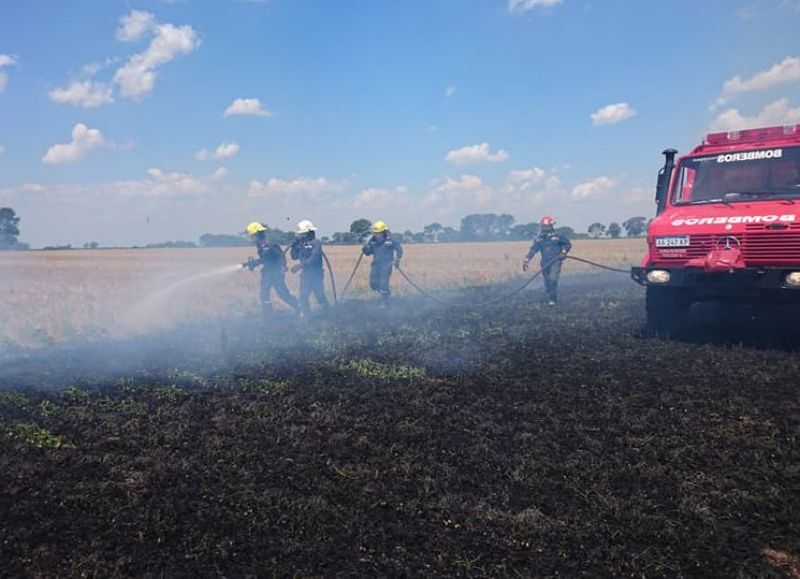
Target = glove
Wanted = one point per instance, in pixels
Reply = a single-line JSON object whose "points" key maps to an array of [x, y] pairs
{"points": [[397, 264], [525, 265], [297, 267], [250, 264]]}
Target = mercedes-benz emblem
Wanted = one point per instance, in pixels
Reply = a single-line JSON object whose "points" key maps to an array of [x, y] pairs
{"points": [[728, 242]]}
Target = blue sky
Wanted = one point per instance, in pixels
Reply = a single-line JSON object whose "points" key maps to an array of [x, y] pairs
{"points": [[113, 123]]}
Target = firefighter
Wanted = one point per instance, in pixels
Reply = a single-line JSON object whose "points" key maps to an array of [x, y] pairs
{"points": [[385, 251], [307, 251], [273, 268], [553, 249]]}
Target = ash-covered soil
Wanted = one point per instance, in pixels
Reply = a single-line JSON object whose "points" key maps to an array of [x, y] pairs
{"points": [[517, 440]]}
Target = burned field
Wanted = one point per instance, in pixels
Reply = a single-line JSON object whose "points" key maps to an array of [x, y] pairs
{"points": [[511, 441]]}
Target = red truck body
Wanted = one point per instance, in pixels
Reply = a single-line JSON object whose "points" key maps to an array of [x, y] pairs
{"points": [[728, 224]]}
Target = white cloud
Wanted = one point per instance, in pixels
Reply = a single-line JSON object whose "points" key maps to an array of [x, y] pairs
{"points": [[533, 175], [84, 140], [157, 184], [33, 188], [463, 183], [225, 150], [377, 198], [87, 94], [310, 186], [592, 189], [784, 72], [137, 77], [449, 193], [475, 154], [220, 173], [135, 25], [2, 149], [161, 184], [612, 114], [5, 60], [450, 90], [251, 107], [525, 5], [779, 112]]}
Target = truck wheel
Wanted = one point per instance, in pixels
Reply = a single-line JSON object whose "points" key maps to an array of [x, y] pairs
{"points": [[667, 310]]}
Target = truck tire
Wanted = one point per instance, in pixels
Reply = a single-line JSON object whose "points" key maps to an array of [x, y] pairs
{"points": [[667, 310]]}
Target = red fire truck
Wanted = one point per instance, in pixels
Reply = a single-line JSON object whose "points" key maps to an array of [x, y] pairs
{"points": [[727, 225]]}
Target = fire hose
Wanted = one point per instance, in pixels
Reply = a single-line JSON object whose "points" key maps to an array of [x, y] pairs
{"points": [[529, 281], [330, 274], [353, 274]]}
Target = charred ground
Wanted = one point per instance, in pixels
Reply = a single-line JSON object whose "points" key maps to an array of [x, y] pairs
{"points": [[516, 440]]}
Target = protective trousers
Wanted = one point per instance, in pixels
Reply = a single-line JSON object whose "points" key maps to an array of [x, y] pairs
{"points": [[312, 282], [550, 274], [277, 281], [379, 275]]}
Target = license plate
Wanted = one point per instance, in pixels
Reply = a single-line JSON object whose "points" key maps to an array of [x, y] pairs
{"points": [[682, 241]]}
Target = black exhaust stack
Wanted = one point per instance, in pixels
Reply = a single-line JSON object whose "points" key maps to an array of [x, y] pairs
{"points": [[664, 176]]}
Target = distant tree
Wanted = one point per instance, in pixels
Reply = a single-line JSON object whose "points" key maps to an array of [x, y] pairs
{"points": [[432, 232], [223, 240], [566, 231], [342, 238], [418, 237], [449, 235], [9, 231], [91, 245], [524, 232], [614, 230], [635, 226], [486, 227], [596, 230], [171, 245], [359, 229]]}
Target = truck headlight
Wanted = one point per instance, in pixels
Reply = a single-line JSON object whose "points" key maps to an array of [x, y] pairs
{"points": [[662, 276], [793, 279]]}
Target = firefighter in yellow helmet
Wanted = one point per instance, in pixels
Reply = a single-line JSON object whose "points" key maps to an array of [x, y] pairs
{"points": [[307, 251], [273, 268], [385, 251]]}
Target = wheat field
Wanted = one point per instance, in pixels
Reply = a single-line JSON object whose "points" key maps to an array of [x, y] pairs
{"points": [[53, 297]]}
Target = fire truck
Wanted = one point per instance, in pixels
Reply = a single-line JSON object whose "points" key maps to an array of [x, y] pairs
{"points": [[726, 225]]}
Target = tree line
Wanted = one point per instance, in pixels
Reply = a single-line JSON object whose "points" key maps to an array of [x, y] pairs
{"points": [[476, 227]]}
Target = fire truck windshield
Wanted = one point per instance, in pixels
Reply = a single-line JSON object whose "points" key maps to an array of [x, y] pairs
{"points": [[739, 176]]}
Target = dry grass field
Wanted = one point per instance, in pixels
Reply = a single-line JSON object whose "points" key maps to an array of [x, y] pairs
{"points": [[53, 297]]}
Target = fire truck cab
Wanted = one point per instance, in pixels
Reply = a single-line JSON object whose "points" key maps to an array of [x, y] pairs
{"points": [[727, 225]]}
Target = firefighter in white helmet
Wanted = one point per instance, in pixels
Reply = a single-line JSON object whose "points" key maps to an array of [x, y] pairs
{"points": [[554, 248], [307, 251], [273, 268], [385, 251]]}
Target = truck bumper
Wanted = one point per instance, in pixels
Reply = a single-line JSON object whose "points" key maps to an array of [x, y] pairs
{"points": [[742, 283]]}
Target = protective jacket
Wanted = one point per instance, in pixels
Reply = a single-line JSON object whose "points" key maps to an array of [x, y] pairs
{"points": [[383, 249], [550, 244], [309, 253], [271, 257]]}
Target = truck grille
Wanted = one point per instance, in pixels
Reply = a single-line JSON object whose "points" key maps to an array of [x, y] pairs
{"points": [[764, 246], [761, 246]]}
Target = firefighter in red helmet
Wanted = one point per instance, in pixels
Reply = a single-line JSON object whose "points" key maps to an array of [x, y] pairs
{"points": [[553, 248]]}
